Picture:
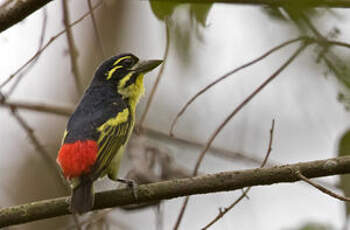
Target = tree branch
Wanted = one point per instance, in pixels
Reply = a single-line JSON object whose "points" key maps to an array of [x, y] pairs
{"points": [[17, 11], [39, 107], [304, 3], [225, 181]]}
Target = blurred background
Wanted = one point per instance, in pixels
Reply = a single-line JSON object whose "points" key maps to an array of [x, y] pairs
{"points": [[309, 101]]}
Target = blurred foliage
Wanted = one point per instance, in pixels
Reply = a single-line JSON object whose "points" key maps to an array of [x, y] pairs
{"points": [[182, 32], [314, 226], [302, 17], [163, 9], [344, 150]]}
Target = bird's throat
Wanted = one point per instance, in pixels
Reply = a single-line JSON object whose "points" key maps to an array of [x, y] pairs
{"points": [[133, 93]]}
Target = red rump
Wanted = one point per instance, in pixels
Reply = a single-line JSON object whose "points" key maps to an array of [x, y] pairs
{"points": [[77, 158]]}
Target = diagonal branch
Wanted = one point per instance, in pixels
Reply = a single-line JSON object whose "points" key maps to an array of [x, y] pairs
{"points": [[245, 192], [321, 188], [234, 112], [225, 76], [219, 182], [97, 34], [35, 61], [38, 147], [16, 11], [72, 50], [52, 39]]}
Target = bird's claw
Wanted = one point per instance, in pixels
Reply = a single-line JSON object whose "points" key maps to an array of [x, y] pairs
{"points": [[131, 184]]}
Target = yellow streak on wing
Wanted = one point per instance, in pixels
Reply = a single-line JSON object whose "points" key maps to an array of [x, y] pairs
{"points": [[120, 118], [110, 73], [121, 59], [64, 136]]}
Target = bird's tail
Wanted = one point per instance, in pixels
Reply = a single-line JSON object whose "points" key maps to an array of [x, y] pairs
{"points": [[82, 197]]}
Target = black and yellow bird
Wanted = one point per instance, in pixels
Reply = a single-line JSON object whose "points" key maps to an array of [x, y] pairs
{"points": [[99, 128]]}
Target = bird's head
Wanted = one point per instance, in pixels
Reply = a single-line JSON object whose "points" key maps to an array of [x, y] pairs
{"points": [[125, 72]]}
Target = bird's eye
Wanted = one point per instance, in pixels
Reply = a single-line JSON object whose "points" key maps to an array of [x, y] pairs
{"points": [[128, 62]]}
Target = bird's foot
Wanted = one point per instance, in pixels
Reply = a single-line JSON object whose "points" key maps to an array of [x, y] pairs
{"points": [[131, 184]]}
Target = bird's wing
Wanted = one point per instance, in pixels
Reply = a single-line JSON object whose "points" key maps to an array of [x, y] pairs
{"points": [[113, 134], [107, 124]]}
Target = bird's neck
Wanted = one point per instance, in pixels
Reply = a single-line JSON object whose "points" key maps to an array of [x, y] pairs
{"points": [[133, 93]]}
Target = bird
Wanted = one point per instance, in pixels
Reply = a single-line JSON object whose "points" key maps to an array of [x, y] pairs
{"points": [[98, 130]]}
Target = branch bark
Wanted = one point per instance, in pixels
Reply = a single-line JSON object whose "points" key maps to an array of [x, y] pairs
{"points": [[225, 181], [16, 11]]}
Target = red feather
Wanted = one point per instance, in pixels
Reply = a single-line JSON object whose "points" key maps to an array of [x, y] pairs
{"points": [[77, 158]]}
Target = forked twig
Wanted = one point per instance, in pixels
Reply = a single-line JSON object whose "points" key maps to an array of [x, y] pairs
{"points": [[236, 110], [245, 192], [276, 48], [189, 102]]}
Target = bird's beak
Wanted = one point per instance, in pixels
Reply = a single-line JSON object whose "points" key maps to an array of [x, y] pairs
{"points": [[146, 66]]}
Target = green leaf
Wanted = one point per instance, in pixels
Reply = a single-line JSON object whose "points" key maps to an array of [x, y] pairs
{"points": [[200, 12], [344, 150], [163, 9]]}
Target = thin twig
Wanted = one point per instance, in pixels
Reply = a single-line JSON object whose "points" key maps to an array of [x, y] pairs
{"points": [[97, 34], [159, 76], [38, 107], [269, 149], [326, 55], [269, 52], [67, 111], [218, 182], [52, 39], [32, 64], [321, 188], [320, 40], [72, 50], [236, 110], [44, 154], [245, 192]]}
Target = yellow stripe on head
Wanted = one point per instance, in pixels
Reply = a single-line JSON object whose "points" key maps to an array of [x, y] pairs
{"points": [[110, 73], [121, 59]]}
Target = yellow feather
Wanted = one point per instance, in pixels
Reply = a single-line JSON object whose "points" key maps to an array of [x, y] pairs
{"points": [[121, 59], [120, 118], [110, 73]]}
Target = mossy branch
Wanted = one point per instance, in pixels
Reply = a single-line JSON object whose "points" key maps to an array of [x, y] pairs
{"points": [[225, 181]]}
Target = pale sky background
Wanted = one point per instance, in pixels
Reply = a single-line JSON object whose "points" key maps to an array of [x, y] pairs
{"points": [[309, 119]]}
